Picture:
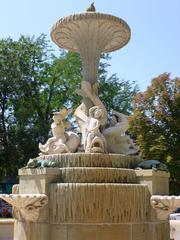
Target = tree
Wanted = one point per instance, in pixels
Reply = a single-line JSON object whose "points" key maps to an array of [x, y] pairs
{"points": [[34, 83], [116, 94], [66, 69], [23, 66], [156, 124]]}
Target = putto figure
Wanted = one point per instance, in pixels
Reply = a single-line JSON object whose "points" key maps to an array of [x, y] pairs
{"points": [[91, 122], [117, 139], [62, 141], [94, 140]]}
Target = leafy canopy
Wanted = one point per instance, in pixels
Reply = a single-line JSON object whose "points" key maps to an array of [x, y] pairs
{"points": [[156, 123]]}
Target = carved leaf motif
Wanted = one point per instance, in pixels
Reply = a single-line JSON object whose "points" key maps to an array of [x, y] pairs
{"points": [[164, 205], [27, 206]]}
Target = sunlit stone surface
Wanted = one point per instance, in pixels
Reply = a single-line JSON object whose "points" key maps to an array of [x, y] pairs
{"points": [[175, 229]]}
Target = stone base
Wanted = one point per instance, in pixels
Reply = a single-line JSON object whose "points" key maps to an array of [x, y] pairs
{"points": [[121, 231], [32, 231], [92, 160], [126, 231], [157, 181], [93, 203], [6, 228], [91, 197]]}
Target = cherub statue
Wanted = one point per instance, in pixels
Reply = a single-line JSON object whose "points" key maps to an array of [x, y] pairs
{"points": [[117, 140], [62, 141], [94, 139], [90, 95]]}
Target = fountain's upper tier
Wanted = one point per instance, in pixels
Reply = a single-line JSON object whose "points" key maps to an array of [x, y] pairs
{"points": [[101, 31]]}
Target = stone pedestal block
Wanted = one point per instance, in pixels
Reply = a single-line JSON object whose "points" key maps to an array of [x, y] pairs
{"points": [[6, 228], [31, 231], [125, 231], [37, 180], [157, 181]]}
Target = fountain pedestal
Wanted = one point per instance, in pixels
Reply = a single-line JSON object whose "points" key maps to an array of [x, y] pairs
{"points": [[90, 34], [157, 181], [90, 196]]}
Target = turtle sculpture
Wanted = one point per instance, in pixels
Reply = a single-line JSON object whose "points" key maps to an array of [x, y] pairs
{"points": [[39, 163], [153, 164]]}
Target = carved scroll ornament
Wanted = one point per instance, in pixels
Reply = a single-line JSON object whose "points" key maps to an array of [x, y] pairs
{"points": [[165, 205], [26, 206]]}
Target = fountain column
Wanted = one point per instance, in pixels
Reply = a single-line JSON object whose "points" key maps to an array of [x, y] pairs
{"points": [[90, 34]]}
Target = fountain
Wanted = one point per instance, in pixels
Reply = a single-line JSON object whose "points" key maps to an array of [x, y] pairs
{"points": [[87, 188]]}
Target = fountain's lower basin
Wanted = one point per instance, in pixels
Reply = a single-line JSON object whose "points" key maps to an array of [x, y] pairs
{"points": [[95, 209]]}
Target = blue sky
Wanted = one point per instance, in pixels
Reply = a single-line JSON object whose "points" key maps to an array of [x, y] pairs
{"points": [[154, 47]]}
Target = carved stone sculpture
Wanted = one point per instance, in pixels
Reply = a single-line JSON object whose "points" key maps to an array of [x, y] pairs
{"points": [[94, 140], [38, 163], [153, 164], [117, 140], [90, 93], [90, 34], [62, 141], [165, 205], [27, 206], [92, 122], [91, 8]]}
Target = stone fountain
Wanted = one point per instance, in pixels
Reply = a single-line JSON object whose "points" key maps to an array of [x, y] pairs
{"points": [[87, 188]]}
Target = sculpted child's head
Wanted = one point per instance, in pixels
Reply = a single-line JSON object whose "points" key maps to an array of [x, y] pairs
{"points": [[96, 112]]}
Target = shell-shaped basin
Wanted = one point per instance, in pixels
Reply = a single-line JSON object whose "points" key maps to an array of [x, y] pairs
{"points": [[102, 31]]}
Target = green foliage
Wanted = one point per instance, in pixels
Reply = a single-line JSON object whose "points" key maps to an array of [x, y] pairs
{"points": [[114, 93], [22, 68], [156, 124], [33, 84]]}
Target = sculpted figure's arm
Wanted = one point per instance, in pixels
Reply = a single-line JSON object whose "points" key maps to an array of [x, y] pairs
{"points": [[80, 114], [91, 92], [62, 141]]}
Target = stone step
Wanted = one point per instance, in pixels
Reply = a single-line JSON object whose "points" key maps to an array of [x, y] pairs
{"points": [[93, 160], [99, 203], [97, 175]]}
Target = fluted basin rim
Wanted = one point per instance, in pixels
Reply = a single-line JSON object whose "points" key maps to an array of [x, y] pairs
{"points": [[87, 16]]}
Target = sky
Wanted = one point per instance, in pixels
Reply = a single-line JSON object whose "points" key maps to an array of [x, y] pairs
{"points": [[154, 47]]}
